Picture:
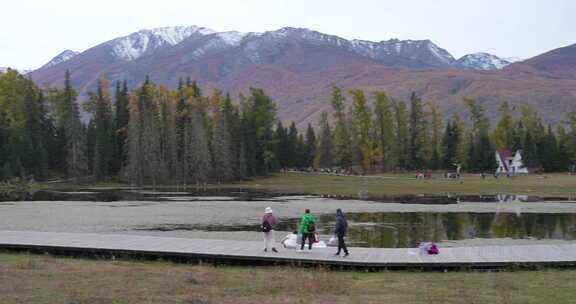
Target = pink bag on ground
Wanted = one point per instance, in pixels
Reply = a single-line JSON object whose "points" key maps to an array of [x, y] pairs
{"points": [[433, 249]]}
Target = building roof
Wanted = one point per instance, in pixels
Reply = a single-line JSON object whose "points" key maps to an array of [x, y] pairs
{"points": [[504, 154]]}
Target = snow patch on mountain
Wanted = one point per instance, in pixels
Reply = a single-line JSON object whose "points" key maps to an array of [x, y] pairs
{"points": [[64, 56], [409, 49], [232, 38], [137, 44], [440, 53], [218, 42], [482, 61]]}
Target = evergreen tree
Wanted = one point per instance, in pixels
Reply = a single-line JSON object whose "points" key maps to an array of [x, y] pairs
{"points": [[292, 140], [481, 152], [281, 146], [197, 142], [71, 132], [417, 129], [100, 104], [258, 117], [367, 150], [324, 156], [121, 119], [549, 152], [434, 141], [222, 152], [26, 128], [503, 136], [342, 134], [232, 117], [310, 147], [449, 144], [402, 135], [384, 127]]}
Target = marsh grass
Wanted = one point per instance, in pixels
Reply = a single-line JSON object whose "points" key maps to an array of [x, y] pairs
{"points": [[78, 281]]}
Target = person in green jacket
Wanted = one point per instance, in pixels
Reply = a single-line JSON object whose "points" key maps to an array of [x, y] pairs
{"points": [[307, 228]]}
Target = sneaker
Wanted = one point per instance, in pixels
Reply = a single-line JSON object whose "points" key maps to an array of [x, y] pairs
{"points": [[346, 254], [274, 249], [299, 250], [265, 249], [337, 254]]}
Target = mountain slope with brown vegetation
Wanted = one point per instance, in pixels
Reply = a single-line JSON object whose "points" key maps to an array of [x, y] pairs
{"points": [[298, 67]]}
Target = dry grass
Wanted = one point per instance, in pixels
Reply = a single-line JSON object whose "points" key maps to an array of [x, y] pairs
{"points": [[388, 184], [40, 279]]}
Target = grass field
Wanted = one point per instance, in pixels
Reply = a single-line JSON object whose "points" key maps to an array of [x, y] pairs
{"points": [[43, 279], [556, 185], [553, 185]]}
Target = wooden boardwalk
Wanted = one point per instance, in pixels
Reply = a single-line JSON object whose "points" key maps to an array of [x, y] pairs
{"points": [[251, 253]]}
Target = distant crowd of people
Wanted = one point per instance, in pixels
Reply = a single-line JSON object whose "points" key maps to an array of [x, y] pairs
{"points": [[337, 170]]}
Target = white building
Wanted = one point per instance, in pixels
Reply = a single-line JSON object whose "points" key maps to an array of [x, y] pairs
{"points": [[509, 163]]}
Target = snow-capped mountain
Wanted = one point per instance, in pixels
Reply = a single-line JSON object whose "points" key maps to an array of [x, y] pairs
{"points": [[482, 61], [66, 55], [143, 42], [394, 52], [298, 67], [259, 47]]}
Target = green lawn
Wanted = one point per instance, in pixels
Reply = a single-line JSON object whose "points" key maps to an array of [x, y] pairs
{"points": [[544, 185], [555, 185], [43, 279]]}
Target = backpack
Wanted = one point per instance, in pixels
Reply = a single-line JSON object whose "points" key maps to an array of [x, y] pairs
{"points": [[266, 227], [311, 227]]}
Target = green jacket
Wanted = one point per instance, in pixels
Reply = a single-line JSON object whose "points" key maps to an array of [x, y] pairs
{"points": [[304, 222]]}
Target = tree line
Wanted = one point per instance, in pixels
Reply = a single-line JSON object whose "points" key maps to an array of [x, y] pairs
{"points": [[147, 135], [155, 135], [375, 133]]}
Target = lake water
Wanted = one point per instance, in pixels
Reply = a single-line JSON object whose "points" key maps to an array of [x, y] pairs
{"points": [[234, 214]]}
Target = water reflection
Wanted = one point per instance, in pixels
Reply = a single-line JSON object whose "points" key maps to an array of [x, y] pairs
{"points": [[400, 230], [227, 194], [387, 230], [139, 194], [395, 230]]}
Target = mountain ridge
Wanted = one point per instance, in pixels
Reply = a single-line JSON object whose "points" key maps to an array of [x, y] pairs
{"points": [[298, 67]]}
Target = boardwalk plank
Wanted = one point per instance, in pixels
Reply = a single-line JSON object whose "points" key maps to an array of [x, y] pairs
{"points": [[253, 251]]}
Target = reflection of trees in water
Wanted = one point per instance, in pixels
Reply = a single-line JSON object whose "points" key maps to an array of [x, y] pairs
{"points": [[396, 229]]}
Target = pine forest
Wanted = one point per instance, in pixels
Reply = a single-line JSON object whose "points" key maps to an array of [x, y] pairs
{"points": [[156, 135]]}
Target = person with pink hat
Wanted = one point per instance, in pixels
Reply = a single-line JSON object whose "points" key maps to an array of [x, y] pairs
{"points": [[269, 223]]}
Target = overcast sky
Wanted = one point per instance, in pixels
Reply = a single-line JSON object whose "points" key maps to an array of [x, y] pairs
{"points": [[34, 31]]}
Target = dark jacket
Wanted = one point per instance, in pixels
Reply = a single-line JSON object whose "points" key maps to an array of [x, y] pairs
{"points": [[341, 224]]}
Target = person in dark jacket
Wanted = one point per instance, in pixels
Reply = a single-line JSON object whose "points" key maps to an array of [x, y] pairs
{"points": [[341, 227]]}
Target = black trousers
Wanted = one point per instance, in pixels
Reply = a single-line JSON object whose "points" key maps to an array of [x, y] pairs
{"points": [[341, 244], [310, 240]]}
